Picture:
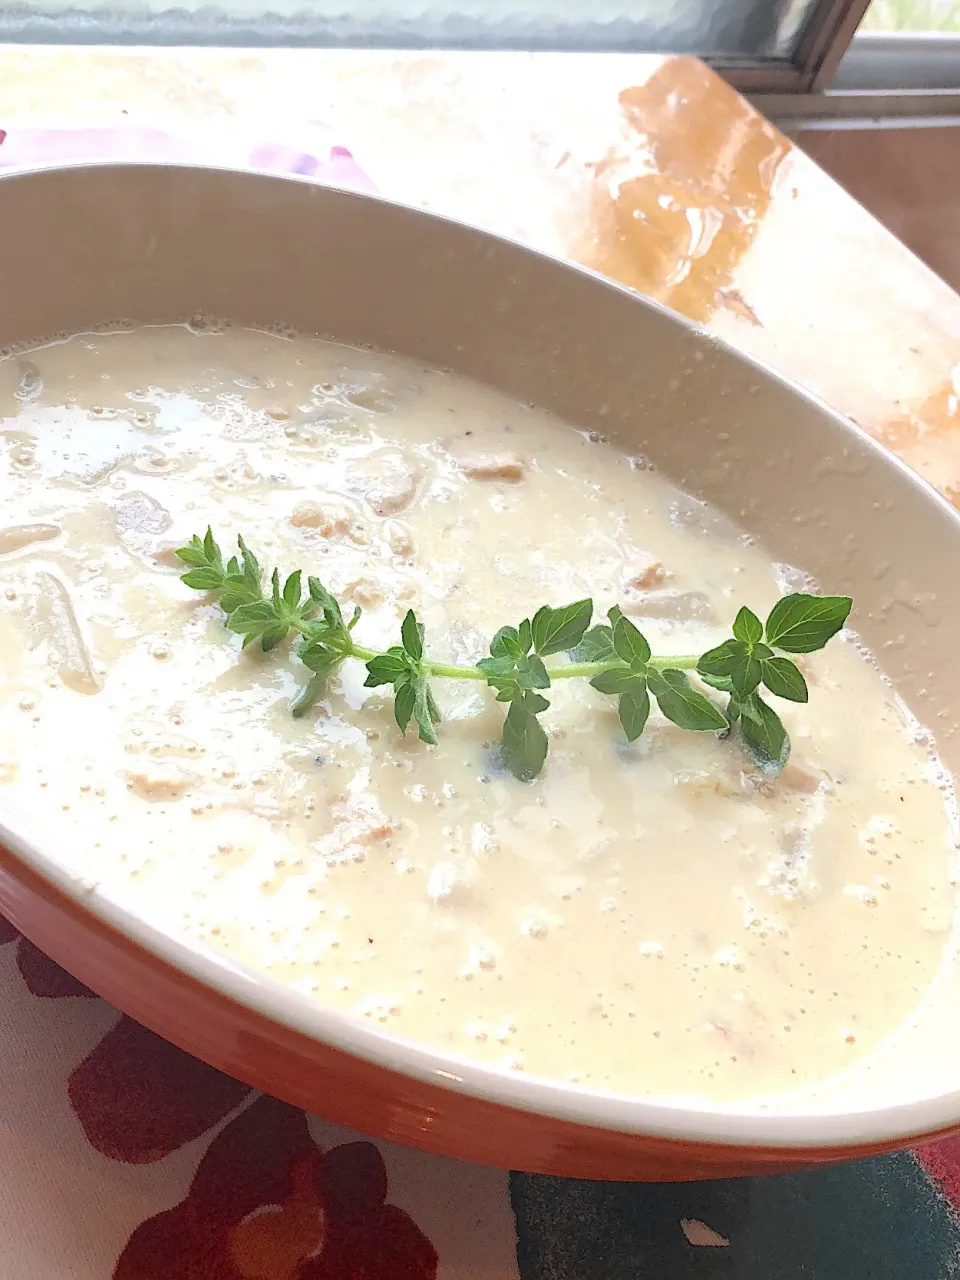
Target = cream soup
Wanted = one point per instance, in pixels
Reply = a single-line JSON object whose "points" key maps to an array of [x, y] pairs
{"points": [[656, 919]]}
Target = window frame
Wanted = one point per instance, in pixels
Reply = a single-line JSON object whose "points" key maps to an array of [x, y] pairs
{"points": [[903, 61], [884, 78], [821, 50]]}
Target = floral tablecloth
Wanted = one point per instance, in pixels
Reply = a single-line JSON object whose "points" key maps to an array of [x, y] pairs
{"points": [[122, 1158]]}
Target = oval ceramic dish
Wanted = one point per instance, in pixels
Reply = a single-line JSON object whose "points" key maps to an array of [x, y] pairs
{"points": [[86, 245]]}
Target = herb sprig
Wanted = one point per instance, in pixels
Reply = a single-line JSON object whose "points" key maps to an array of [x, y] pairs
{"points": [[614, 656]]}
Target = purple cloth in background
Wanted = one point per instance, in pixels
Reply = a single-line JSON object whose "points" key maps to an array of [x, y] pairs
{"points": [[29, 148]]}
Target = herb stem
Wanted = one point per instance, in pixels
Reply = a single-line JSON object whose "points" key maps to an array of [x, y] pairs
{"points": [[566, 671], [678, 662], [432, 668], [454, 673]]}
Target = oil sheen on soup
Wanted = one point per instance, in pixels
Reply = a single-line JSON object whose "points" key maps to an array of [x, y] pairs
{"points": [[656, 919]]}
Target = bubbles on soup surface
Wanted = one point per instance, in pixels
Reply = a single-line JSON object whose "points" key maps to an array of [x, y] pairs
{"points": [[281, 329], [203, 323]]}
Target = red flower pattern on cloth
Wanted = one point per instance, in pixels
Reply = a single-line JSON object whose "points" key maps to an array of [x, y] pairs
{"points": [[267, 1204], [46, 979], [137, 1097]]}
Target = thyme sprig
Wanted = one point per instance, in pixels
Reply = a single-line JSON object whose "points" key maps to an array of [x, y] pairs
{"points": [[614, 656]]}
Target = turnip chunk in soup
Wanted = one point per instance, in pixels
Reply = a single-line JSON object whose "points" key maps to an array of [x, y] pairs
{"points": [[656, 919]]}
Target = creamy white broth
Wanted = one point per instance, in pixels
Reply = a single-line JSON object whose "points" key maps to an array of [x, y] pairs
{"points": [[655, 919]]}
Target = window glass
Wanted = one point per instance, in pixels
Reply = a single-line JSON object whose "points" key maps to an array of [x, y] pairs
{"points": [[723, 30]]}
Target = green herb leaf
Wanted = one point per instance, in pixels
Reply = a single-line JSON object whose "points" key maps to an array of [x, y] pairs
{"points": [[524, 741], [275, 594], [253, 619], [203, 579], [432, 707], [236, 593], [596, 646], [721, 661], [531, 673], [507, 688], [252, 572], [412, 632], [525, 636], [617, 680], [291, 591], [328, 605], [308, 695], [680, 702], [629, 643], [748, 628], [425, 711], [206, 560], [238, 586], [634, 707], [723, 683], [211, 549], [554, 630], [271, 636], [506, 644], [761, 725], [733, 665], [404, 701], [784, 679], [385, 668], [320, 659], [193, 553], [746, 676], [403, 668], [802, 623]]}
